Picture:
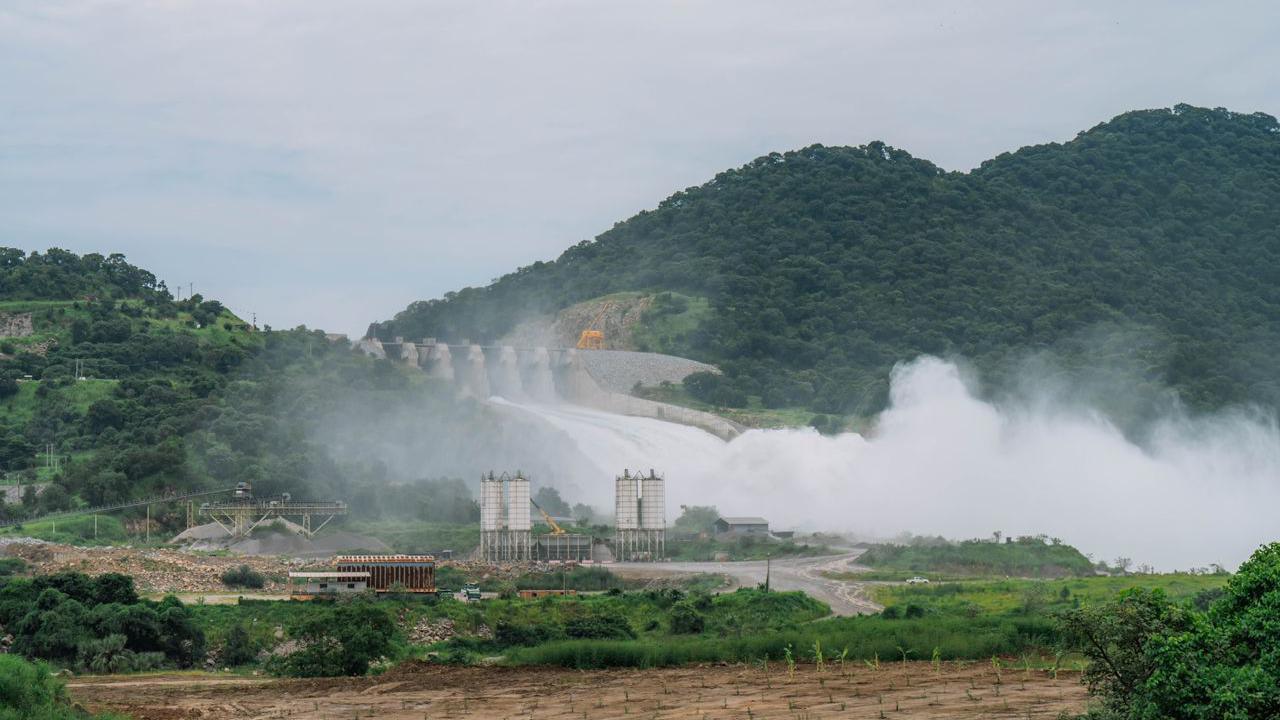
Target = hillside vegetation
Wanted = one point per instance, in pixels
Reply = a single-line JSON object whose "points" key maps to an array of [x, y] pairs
{"points": [[1021, 557], [1147, 246], [173, 395]]}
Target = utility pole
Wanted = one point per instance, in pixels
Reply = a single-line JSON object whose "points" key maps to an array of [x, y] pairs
{"points": [[768, 566], [148, 524]]}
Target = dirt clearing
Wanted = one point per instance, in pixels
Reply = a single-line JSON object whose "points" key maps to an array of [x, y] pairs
{"points": [[913, 690]]}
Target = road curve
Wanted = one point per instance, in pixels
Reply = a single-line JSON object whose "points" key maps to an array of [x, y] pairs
{"points": [[844, 596]]}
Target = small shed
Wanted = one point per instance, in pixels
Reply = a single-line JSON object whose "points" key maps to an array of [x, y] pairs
{"points": [[320, 583], [742, 526]]}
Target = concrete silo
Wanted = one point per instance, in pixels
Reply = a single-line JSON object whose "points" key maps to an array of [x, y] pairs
{"points": [[639, 516], [505, 528]]}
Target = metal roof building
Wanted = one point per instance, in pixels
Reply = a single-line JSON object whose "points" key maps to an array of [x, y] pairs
{"points": [[742, 525]]}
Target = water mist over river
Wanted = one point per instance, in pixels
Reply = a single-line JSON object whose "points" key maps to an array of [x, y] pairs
{"points": [[944, 462]]}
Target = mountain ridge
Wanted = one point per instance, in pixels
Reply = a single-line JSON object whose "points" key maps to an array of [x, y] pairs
{"points": [[826, 266]]}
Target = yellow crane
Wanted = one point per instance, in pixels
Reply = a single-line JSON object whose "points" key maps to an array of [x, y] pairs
{"points": [[555, 527], [591, 338]]}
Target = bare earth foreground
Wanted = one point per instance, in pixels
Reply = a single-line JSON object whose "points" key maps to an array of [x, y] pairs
{"points": [[913, 690]]}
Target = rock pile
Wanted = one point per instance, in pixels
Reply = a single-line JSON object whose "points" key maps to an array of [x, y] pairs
{"points": [[167, 571]]}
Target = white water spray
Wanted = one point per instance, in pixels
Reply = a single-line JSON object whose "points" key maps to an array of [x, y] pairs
{"points": [[944, 462]]}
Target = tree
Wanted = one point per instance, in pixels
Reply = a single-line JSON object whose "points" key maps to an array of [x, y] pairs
{"points": [[686, 620], [697, 519], [549, 499], [238, 648], [243, 577], [8, 386], [343, 640]]}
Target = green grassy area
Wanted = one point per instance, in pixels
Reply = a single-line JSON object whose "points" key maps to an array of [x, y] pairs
{"points": [[741, 548], [972, 598], [73, 530], [650, 617], [667, 326], [420, 537], [1023, 557]]}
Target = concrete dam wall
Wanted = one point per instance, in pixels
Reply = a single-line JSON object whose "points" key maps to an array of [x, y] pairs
{"points": [[598, 379]]}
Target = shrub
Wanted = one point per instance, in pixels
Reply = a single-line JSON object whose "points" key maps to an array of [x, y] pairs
{"points": [[599, 626], [238, 648], [29, 691], [342, 640], [109, 655], [516, 633], [243, 577], [686, 620]]}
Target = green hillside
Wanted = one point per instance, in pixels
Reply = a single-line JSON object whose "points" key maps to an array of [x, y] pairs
{"points": [[174, 395], [1147, 247]]}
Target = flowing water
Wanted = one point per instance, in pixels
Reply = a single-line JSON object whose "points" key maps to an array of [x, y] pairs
{"points": [[944, 462]]}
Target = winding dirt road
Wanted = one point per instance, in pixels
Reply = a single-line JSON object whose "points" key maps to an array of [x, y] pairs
{"points": [[844, 596]]}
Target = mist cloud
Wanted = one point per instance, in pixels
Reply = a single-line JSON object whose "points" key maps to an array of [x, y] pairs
{"points": [[1198, 490]]}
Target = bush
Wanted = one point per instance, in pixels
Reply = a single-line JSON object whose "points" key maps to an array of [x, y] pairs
{"points": [[109, 655], [342, 640], [601, 625], [243, 577], [28, 691], [238, 648], [515, 633], [686, 620]]}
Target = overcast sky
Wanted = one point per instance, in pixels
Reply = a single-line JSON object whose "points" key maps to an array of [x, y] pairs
{"points": [[327, 162]]}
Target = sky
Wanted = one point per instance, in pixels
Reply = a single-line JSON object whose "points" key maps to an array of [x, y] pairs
{"points": [[326, 163]]}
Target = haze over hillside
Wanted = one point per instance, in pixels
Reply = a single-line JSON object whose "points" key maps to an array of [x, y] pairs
{"points": [[1145, 250]]}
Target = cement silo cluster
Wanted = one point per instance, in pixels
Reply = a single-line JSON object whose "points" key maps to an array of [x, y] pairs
{"points": [[640, 516], [505, 525]]}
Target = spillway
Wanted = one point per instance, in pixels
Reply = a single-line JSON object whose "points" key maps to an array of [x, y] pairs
{"points": [[945, 462]]}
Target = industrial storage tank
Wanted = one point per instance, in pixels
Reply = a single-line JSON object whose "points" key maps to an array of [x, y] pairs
{"points": [[653, 502], [626, 507], [518, 504], [490, 502]]}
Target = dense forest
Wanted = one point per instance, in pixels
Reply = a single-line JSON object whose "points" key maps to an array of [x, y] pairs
{"points": [[1145, 248]]}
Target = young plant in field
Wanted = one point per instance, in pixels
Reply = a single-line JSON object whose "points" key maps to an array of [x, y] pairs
{"points": [[791, 661], [995, 665], [904, 652], [874, 662], [843, 654], [937, 660], [817, 655]]}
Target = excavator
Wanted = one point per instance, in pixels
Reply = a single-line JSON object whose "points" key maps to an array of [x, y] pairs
{"points": [[555, 526], [591, 338]]}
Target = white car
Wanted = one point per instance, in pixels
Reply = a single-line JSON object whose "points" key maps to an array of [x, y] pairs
{"points": [[917, 580]]}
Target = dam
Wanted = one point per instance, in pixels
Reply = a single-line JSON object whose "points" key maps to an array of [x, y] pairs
{"points": [[598, 379]]}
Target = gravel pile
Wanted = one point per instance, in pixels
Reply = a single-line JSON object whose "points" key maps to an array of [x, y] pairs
{"points": [[620, 370]]}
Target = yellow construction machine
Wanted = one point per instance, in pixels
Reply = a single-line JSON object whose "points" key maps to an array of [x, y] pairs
{"points": [[555, 526], [591, 338]]}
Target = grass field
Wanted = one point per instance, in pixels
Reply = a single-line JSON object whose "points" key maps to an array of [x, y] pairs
{"points": [[420, 537], [74, 530]]}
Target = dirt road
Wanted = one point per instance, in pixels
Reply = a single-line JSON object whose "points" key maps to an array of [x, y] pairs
{"points": [[845, 597], [914, 690]]}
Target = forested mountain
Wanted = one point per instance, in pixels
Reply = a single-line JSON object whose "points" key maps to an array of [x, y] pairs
{"points": [[1149, 243]]}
